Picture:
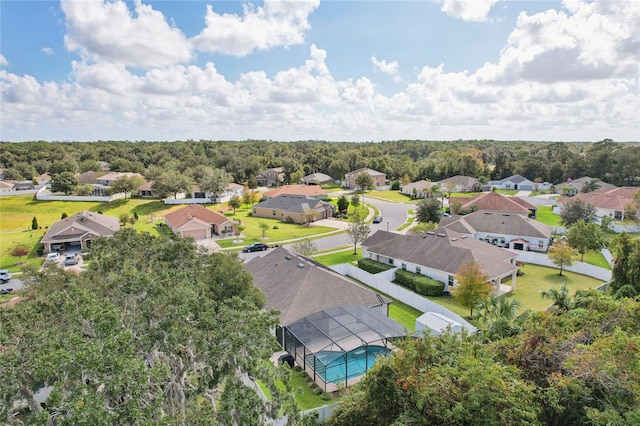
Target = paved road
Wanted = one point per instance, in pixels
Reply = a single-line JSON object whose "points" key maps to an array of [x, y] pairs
{"points": [[13, 283]]}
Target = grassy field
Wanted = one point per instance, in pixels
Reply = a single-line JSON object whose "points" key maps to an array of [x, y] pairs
{"points": [[546, 215], [17, 212], [393, 196]]}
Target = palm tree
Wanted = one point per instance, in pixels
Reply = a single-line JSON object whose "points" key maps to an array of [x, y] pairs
{"points": [[561, 298], [591, 186], [498, 313]]}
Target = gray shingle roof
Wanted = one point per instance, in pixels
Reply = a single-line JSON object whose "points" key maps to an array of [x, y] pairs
{"points": [[499, 223], [299, 291], [293, 203], [442, 249]]}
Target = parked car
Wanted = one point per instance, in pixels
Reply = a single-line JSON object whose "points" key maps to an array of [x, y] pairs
{"points": [[53, 257], [255, 247], [6, 290], [71, 259], [377, 219], [5, 275]]}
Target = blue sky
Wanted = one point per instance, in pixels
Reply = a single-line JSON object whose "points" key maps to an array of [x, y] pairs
{"points": [[335, 70]]}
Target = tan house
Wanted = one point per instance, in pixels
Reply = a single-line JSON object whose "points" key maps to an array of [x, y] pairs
{"points": [[379, 178], [271, 177], [78, 231], [574, 186], [611, 203], [109, 178], [312, 191], [460, 183], [419, 189], [199, 223], [317, 179], [293, 208], [496, 202]]}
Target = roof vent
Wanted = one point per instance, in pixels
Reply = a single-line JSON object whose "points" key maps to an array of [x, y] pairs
{"points": [[463, 237], [487, 212], [300, 265], [431, 233], [287, 257], [454, 239], [505, 214], [441, 235]]}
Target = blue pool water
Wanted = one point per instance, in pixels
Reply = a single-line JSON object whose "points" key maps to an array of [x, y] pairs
{"points": [[356, 365]]}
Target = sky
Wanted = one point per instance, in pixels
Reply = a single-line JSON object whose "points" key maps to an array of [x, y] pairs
{"points": [[87, 70]]}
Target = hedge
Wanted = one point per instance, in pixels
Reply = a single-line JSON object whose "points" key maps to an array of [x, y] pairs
{"points": [[419, 283], [372, 266]]}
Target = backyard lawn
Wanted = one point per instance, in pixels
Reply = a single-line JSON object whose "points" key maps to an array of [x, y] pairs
{"points": [[344, 256], [546, 215]]}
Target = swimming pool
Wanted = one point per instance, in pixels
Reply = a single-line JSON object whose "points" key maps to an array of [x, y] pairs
{"points": [[357, 363]]}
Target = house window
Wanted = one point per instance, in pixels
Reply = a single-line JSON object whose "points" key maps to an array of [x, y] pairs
{"points": [[390, 261], [451, 280], [418, 270], [404, 266]]}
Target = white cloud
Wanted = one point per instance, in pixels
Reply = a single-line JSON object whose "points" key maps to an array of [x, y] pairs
{"points": [[468, 10], [561, 76], [595, 41], [47, 51], [3, 61], [277, 23], [389, 68], [108, 31]]}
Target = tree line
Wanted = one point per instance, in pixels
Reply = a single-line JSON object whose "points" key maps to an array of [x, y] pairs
{"points": [[613, 162]]}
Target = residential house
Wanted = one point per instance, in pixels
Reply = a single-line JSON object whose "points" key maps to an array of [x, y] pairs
{"points": [[311, 191], [494, 201], [439, 254], [379, 178], [324, 317], [502, 229], [78, 231], [518, 182], [145, 190], [297, 286], [89, 178], [293, 208], [271, 177], [109, 178], [199, 223], [608, 203], [460, 183], [23, 185], [419, 189], [317, 179], [232, 190], [43, 180], [574, 186], [6, 187]]}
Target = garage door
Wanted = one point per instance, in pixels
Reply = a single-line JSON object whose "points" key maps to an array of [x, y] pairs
{"points": [[197, 234]]}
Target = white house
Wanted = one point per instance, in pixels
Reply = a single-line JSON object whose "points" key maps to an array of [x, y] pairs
{"points": [[518, 182], [439, 254]]}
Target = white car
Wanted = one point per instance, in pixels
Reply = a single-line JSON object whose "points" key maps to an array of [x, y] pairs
{"points": [[53, 257], [5, 275]]}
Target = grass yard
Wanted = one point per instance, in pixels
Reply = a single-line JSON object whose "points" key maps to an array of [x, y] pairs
{"points": [[507, 191], [538, 278], [597, 259], [393, 196], [345, 256], [546, 215], [407, 224], [404, 314]]}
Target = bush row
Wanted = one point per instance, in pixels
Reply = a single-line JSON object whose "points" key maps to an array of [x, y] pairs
{"points": [[372, 267], [419, 283]]}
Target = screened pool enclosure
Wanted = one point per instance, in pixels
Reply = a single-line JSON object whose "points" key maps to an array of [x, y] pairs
{"points": [[338, 345]]}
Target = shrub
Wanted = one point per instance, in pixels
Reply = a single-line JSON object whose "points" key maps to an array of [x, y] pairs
{"points": [[626, 291], [421, 284], [276, 227], [395, 185], [326, 396], [372, 267]]}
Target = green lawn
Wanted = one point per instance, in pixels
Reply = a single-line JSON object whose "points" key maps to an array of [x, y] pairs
{"points": [[507, 191], [597, 259], [393, 196], [345, 256], [546, 215], [404, 314], [538, 278], [407, 224]]}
